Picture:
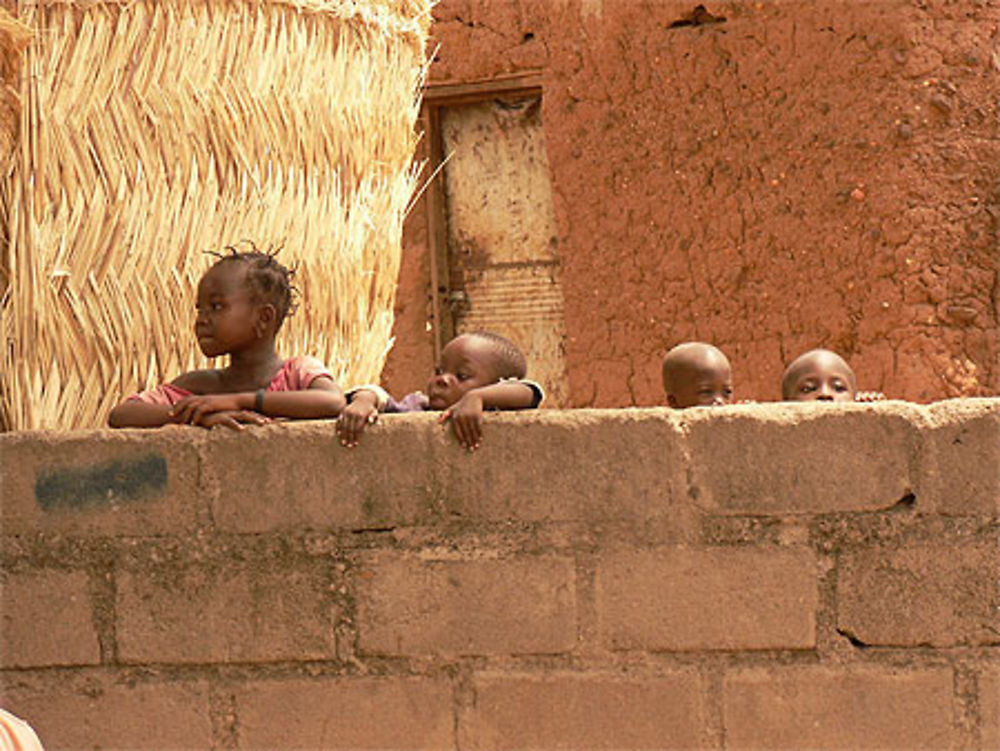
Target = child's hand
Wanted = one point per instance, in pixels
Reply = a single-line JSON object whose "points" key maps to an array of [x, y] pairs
{"points": [[192, 410], [356, 416], [869, 396], [466, 417], [234, 419]]}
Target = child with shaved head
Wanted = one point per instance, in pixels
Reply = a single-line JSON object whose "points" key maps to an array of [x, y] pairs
{"points": [[821, 375], [478, 371], [696, 374]]}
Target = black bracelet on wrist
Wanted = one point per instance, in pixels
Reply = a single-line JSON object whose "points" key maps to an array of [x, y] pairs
{"points": [[258, 402]]}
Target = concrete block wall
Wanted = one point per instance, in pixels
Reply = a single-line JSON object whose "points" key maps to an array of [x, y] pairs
{"points": [[764, 576]]}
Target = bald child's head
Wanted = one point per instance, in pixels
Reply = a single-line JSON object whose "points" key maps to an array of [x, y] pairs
{"points": [[696, 374], [819, 376]]}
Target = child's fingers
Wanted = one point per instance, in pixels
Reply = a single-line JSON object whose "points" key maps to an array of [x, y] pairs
{"points": [[348, 431], [351, 424], [186, 410], [445, 416], [869, 396], [190, 414], [474, 431], [228, 421], [466, 431], [465, 427], [458, 427], [248, 416], [200, 413]]}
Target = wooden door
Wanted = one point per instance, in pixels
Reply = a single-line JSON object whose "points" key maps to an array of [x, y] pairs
{"points": [[503, 270]]}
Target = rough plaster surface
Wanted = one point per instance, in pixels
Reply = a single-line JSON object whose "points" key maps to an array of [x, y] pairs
{"points": [[804, 174], [587, 578]]}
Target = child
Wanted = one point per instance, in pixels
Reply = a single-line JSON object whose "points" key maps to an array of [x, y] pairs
{"points": [[242, 301], [823, 376], [477, 371], [697, 375], [819, 376]]}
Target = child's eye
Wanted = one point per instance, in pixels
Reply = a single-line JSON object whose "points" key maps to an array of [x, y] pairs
{"points": [[437, 370], [805, 388], [463, 376], [839, 387]]}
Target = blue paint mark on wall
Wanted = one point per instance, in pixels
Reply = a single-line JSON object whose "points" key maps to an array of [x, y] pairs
{"points": [[102, 484]]}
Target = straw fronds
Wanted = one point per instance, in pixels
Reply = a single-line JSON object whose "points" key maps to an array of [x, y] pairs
{"points": [[155, 130], [14, 38]]}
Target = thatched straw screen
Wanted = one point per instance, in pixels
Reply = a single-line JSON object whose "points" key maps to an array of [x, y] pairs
{"points": [[152, 131]]}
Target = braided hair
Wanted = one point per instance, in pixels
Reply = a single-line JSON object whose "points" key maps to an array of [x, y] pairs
{"points": [[269, 281]]}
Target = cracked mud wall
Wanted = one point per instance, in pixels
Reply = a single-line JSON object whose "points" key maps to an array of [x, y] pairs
{"points": [[798, 175]]}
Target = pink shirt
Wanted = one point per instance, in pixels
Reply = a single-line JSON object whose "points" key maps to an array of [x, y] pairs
{"points": [[297, 374]]}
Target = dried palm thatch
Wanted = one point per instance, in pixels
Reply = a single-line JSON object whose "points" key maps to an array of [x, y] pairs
{"points": [[155, 130], [14, 37]]}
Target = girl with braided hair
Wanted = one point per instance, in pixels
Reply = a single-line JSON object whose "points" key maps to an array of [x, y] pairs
{"points": [[242, 301]]}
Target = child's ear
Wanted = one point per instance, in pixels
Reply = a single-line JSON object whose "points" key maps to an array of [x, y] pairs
{"points": [[267, 314]]}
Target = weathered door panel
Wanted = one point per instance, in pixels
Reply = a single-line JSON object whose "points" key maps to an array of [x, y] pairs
{"points": [[503, 252]]}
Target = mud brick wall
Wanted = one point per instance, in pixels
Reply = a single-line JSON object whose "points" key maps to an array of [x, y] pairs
{"points": [[804, 173], [778, 576]]}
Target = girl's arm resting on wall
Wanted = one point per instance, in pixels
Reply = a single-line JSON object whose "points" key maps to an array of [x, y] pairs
{"points": [[323, 398], [136, 414]]}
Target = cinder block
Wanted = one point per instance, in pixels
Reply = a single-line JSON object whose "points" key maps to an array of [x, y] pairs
{"points": [[938, 595], [563, 710], [989, 707], [46, 619], [962, 465], [820, 707], [98, 712], [102, 482], [589, 465], [297, 476], [409, 605], [348, 713], [229, 612], [804, 458], [723, 598]]}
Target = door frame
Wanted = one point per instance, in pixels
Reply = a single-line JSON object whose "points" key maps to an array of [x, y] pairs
{"points": [[437, 96]]}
